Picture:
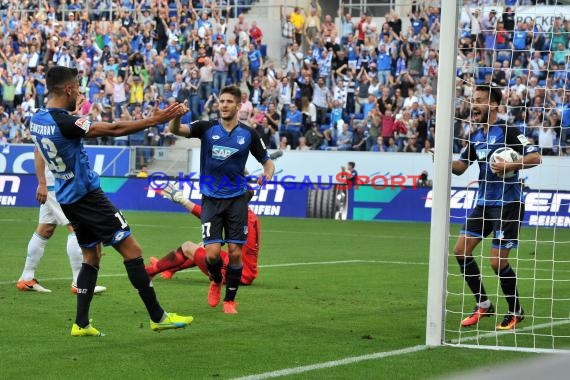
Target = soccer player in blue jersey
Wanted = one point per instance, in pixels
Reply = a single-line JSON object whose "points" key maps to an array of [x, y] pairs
{"points": [[59, 138], [226, 144], [499, 209]]}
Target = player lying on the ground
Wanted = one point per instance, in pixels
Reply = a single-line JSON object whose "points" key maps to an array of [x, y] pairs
{"points": [[191, 254]]}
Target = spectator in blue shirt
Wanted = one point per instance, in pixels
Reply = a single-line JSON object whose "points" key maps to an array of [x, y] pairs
{"points": [[384, 65], [293, 124], [255, 60]]}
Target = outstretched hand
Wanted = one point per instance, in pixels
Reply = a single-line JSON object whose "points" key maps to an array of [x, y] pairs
{"points": [[172, 111], [173, 193]]}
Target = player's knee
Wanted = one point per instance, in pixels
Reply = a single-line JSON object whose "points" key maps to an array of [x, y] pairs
{"points": [[496, 264], [212, 254], [134, 251], [234, 250], [460, 251], [92, 256], [46, 230], [234, 257]]}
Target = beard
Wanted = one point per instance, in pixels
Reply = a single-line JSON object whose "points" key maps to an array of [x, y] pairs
{"points": [[483, 116], [72, 105], [229, 116]]}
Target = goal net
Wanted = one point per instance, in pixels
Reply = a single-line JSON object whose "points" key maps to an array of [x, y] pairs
{"points": [[520, 49]]}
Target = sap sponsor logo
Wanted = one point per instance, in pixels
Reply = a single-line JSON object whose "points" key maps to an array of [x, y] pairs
{"points": [[220, 152], [9, 184]]}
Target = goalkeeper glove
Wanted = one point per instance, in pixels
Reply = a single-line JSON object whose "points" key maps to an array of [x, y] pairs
{"points": [[173, 193]]}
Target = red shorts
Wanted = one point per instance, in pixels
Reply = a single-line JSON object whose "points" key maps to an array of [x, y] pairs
{"points": [[200, 261]]}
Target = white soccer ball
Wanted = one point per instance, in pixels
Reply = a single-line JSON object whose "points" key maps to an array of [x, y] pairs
{"points": [[505, 154]]}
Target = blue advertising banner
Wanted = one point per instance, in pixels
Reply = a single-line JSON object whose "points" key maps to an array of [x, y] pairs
{"points": [[543, 208], [272, 200], [136, 194], [105, 160]]}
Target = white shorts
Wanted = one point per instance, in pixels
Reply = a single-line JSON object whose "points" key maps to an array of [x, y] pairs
{"points": [[51, 212]]}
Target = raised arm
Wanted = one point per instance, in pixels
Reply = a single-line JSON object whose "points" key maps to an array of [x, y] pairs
{"points": [[177, 128], [122, 128]]}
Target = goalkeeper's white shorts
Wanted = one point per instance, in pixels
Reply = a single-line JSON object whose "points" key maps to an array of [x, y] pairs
{"points": [[51, 212]]}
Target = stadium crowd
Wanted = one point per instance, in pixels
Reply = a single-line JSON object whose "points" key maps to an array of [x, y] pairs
{"points": [[357, 86]]}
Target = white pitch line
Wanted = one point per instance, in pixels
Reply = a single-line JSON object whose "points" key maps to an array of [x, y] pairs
{"points": [[375, 236], [492, 334], [404, 351], [332, 363], [260, 266], [283, 265]]}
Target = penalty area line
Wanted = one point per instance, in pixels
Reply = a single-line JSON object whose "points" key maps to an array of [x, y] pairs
{"points": [[333, 363]]}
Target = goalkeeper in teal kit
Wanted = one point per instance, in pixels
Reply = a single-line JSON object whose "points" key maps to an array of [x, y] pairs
{"points": [[499, 209]]}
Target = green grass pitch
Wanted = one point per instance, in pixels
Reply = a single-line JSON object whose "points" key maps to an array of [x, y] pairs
{"points": [[327, 290]]}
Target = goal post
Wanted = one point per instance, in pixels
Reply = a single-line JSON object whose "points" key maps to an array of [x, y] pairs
{"points": [[439, 232], [540, 263]]}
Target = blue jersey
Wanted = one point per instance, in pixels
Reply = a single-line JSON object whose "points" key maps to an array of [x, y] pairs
{"points": [[223, 156], [59, 138], [495, 190]]}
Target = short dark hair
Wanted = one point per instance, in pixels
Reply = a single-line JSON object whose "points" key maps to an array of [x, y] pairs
{"points": [[232, 90], [351, 163], [495, 94], [59, 76]]}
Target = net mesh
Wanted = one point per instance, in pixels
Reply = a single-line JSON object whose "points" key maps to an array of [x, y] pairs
{"points": [[521, 49]]}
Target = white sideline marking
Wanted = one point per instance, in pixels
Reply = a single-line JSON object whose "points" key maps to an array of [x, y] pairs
{"points": [[261, 266], [332, 363]]}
